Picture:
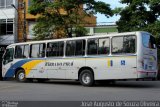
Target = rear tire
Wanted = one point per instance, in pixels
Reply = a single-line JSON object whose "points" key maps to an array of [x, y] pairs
{"points": [[21, 76], [86, 78]]}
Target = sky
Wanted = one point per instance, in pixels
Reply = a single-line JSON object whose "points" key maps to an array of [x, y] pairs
{"points": [[101, 19]]}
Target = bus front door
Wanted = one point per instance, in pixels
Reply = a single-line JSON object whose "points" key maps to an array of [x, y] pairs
{"points": [[7, 68], [2, 49]]}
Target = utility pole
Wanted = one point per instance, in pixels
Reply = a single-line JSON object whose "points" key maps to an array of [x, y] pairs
{"points": [[24, 22], [24, 18]]}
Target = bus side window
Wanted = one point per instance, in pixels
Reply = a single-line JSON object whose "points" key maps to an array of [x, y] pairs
{"points": [[117, 45], [80, 47], [129, 44], [75, 48], [42, 50], [70, 48], [124, 45], [37, 50], [26, 51], [92, 47], [21, 51], [49, 49], [34, 51], [103, 46], [61, 48], [55, 49]]}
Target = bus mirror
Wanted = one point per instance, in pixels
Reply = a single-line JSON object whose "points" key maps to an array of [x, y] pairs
{"points": [[158, 46]]}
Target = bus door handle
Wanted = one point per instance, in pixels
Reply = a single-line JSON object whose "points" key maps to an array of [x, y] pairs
{"points": [[134, 67]]}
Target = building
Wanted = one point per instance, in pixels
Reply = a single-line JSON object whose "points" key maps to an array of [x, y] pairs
{"points": [[8, 26], [7, 22], [30, 20], [102, 29]]}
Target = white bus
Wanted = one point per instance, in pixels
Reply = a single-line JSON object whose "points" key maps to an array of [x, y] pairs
{"points": [[131, 55]]}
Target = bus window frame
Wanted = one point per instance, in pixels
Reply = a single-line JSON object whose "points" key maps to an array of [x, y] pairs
{"points": [[55, 56], [123, 40], [98, 47], [23, 51], [74, 53], [30, 47]]}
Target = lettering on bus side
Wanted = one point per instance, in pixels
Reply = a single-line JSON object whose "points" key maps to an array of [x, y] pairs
{"points": [[59, 64]]}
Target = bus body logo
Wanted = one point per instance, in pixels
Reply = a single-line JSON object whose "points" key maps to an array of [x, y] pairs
{"points": [[110, 63]]}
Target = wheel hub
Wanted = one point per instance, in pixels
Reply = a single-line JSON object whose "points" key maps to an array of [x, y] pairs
{"points": [[21, 76], [86, 78]]}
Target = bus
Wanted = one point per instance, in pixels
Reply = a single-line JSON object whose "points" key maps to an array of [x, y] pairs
{"points": [[121, 56]]}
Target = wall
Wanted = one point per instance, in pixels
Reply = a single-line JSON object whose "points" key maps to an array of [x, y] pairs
{"points": [[8, 13], [105, 29]]}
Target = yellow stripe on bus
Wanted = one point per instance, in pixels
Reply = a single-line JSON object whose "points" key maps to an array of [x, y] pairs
{"points": [[30, 65], [109, 63]]}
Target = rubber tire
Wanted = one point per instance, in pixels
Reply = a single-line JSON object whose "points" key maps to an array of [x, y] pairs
{"points": [[90, 74], [17, 76]]}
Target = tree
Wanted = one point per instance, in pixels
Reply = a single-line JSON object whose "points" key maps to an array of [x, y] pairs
{"points": [[139, 15], [62, 18]]}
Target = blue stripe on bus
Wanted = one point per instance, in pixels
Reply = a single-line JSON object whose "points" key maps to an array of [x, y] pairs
{"points": [[11, 70]]}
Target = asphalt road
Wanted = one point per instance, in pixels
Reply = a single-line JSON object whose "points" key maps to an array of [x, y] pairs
{"points": [[73, 91]]}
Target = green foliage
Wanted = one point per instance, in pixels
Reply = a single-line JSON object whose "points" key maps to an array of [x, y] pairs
{"points": [[117, 10], [139, 15], [53, 20], [80, 31], [43, 28], [154, 28]]}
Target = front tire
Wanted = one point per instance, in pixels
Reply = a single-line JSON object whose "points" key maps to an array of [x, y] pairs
{"points": [[21, 76], [86, 78]]}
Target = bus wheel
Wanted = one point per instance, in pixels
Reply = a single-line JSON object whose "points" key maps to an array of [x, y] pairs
{"points": [[86, 78], [20, 76]]}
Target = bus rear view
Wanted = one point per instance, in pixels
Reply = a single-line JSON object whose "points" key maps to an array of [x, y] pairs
{"points": [[147, 56]]}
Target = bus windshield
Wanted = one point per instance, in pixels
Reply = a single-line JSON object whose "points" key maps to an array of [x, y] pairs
{"points": [[149, 41], [8, 56]]}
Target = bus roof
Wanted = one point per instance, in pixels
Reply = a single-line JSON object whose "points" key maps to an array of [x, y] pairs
{"points": [[78, 38]]}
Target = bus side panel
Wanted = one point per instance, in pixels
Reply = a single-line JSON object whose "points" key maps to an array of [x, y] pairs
{"points": [[33, 68], [54, 68], [113, 67], [64, 68], [38, 70], [72, 71], [8, 70]]}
